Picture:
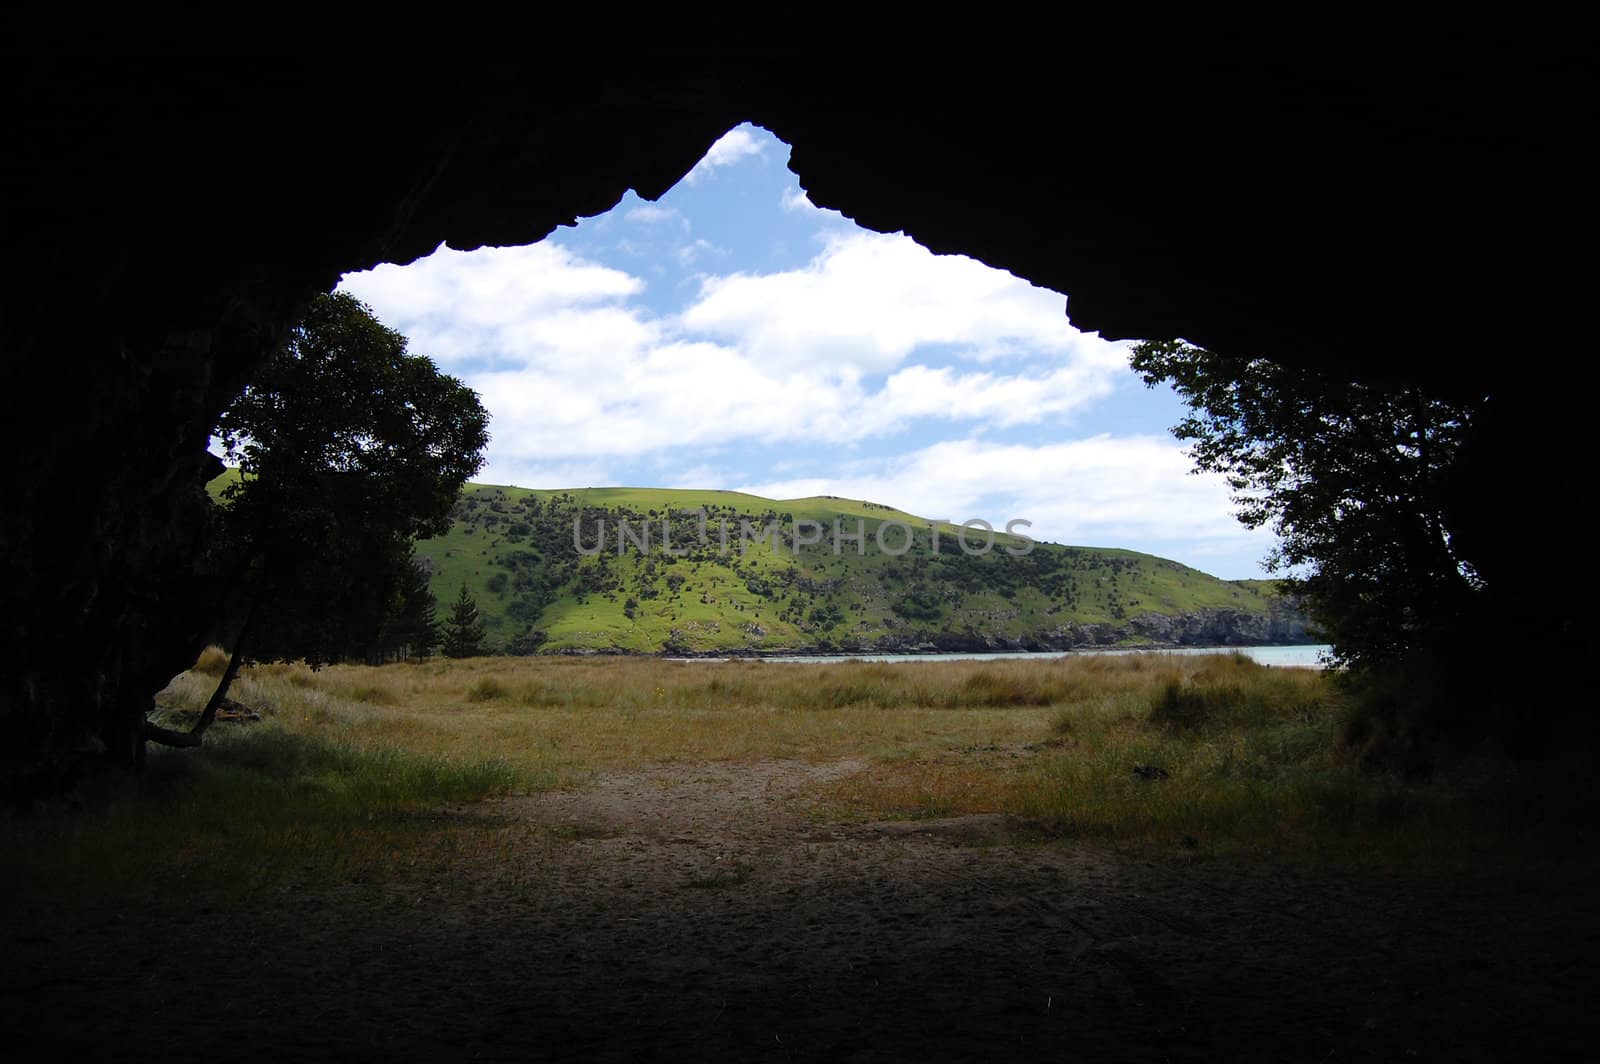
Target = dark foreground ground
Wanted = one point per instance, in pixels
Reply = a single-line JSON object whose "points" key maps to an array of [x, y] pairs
{"points": [[699, 913]]}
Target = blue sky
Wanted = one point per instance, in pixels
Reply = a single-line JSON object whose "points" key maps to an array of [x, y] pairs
{"points": [[732, 335]]}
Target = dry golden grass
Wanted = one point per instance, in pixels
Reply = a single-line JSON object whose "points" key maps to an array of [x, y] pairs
{"points": [[1053, 740], [579, 715], [213, 661], [1215, 751]]}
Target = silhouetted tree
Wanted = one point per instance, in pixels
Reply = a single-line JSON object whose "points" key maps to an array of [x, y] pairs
{"points": [[348, 450], [1354, 479], [463, 631], [411, 630]]}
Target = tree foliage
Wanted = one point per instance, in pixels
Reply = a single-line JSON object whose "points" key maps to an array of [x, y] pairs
{"points": [[411, 630], [349, 448], [463, 632], [1354, 480]]}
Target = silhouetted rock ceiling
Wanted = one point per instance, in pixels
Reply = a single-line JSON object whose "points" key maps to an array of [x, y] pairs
{"points": [[1320, 210]]}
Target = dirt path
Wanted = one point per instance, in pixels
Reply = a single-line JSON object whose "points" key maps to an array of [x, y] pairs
{"points": [[704, 912]]}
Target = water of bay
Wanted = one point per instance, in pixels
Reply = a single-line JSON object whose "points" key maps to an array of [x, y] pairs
{"points": [[1309, 656]]}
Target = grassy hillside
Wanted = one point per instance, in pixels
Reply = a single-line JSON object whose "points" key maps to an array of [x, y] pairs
{"points": [[514, 549]]}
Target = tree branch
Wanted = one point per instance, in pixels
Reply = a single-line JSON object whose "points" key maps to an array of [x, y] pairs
{"points": [[220, 695]]}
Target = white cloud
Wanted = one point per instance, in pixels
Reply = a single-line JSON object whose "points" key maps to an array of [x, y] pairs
{"points": [[491, 303], [1105, 490], [672, 396], [795, 199], [736, 144], [868, 300], [697, 476], [526, 472], [655, 214], [1000, 400], [688, 253], [573, 368]]}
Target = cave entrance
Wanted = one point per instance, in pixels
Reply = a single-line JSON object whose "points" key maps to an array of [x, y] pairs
{"points": [[734, 335]]}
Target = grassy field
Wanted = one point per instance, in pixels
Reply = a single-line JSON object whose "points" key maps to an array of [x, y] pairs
{"points": [[348, 767]]}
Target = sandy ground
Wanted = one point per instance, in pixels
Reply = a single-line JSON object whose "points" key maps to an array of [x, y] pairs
{"points": [[703, 912]]}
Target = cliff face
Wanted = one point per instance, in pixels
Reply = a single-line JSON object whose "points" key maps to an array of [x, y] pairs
{"points": [[1282, 624], [1205, 628]]}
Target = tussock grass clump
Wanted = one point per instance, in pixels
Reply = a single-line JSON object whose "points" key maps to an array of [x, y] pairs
{"points": [[863, 692], [1386, 726], [487, 689], [726, 690], [1234, 692], [1194, 707], [990, 689], [373, 692], [297, 673], [539, 695], [213, 661], [849, 684], [1218, 751]]}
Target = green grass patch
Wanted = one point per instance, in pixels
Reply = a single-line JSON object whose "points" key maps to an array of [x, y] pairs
{"points": [[256, 806]]}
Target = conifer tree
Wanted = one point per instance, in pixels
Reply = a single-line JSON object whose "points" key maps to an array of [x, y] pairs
{"points": [[411, 630], [463, 632]]}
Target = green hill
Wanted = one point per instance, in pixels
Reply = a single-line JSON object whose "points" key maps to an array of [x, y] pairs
{"points": [[699, 592]]}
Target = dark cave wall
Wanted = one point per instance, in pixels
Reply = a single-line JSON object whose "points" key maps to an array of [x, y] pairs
{"points": [[163, 230], [164, 223]]}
